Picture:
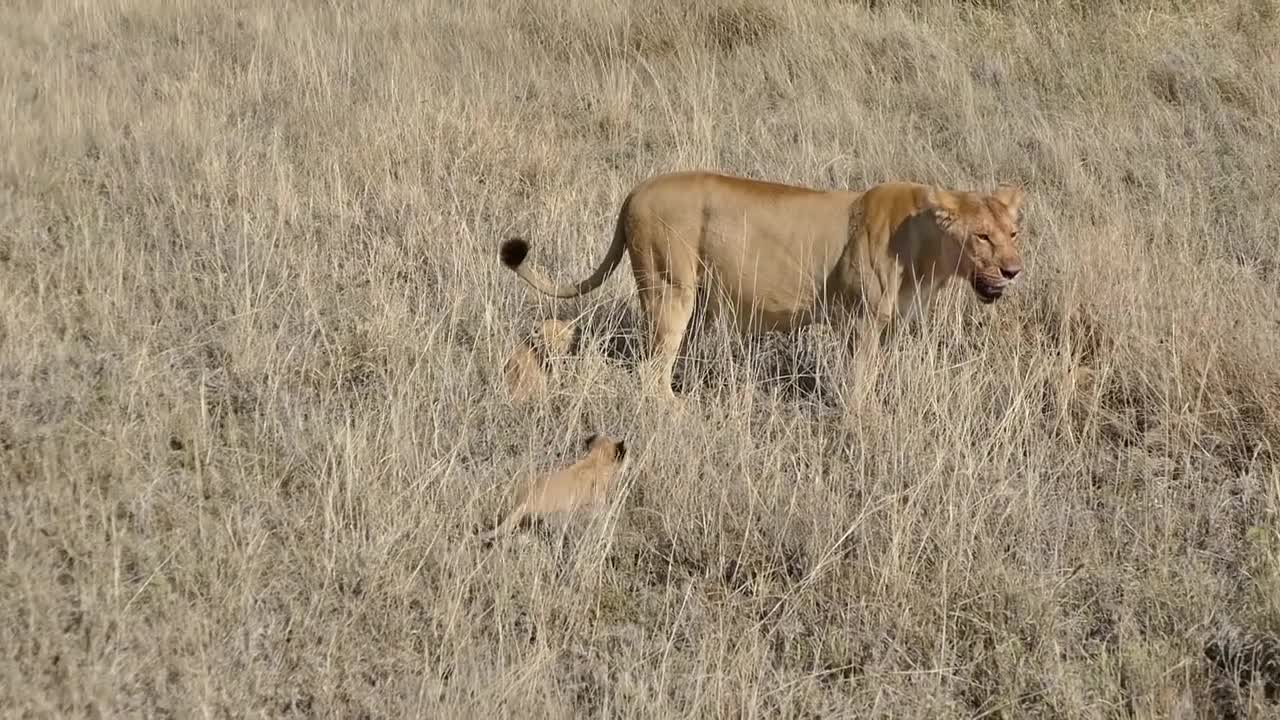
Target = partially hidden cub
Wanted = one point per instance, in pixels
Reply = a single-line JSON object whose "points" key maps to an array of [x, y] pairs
{"points": [[583, 486], [528, 367]]}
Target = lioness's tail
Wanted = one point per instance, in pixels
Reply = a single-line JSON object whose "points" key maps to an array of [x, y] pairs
{"points": [[514, 251]]}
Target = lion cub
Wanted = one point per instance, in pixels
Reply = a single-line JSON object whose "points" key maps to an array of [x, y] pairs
{"points": [[584, 485], [528, 367]]}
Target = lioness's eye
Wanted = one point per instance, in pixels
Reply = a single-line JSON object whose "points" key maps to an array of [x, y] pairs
{"points": [[984, 237]]}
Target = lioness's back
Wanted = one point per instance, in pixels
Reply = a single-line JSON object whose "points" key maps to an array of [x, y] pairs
{"points": [[685, 181]]}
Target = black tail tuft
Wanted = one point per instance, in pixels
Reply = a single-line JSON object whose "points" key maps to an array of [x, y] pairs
{"points": [[513, 252]]}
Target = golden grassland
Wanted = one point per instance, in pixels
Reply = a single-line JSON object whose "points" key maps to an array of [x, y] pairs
{"points": [[252, 326]]}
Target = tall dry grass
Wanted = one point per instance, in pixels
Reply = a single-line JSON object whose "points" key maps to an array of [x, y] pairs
{"points": [[252, 326]]}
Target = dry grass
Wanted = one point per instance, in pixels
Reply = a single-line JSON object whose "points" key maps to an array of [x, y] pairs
{"points": [[252, 328]]}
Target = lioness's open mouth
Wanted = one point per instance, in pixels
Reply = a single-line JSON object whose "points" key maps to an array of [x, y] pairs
{"points": [[988, 292]]}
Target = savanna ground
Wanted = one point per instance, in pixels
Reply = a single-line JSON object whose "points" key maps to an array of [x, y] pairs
{"points": [[252, 326]]}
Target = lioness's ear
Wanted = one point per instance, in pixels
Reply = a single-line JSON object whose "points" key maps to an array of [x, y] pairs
{"points": [[620, 450], [591, 440], [1011, 196], [945, 205]]}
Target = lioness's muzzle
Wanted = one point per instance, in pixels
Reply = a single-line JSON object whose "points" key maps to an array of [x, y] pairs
{"points": [[989, 291]]}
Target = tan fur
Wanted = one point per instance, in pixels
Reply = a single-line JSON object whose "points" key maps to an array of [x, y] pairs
{"points": [[526, 370], [779, 257], [583, 486], [523, 373]]}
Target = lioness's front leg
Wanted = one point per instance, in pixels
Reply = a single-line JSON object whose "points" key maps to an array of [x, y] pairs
{"points": [[894, 287], [871, 330], [879, 318], [913, 305]]}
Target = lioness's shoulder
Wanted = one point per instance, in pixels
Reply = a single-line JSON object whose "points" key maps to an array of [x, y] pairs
{"points": [[897, 194]]}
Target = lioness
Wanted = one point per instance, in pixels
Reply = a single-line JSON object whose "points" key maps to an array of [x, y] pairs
{"points": [[781, 257], [584, 485]]}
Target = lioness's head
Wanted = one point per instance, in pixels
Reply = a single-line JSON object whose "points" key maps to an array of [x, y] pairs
{"points": [[984, 227]]}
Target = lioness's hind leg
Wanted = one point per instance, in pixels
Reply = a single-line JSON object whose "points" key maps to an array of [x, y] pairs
{"points": [[669, 309], [706, 311]]}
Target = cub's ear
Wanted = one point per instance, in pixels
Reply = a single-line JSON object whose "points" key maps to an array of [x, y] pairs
{"points": [[1011, 196], [620, 450], [591, 440], [945, 205]]}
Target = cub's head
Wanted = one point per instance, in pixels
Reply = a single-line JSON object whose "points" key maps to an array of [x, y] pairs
{"points": [[606, 448], [984, 227]]}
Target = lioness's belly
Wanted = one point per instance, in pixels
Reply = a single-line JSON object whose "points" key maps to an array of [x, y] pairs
{"points": [[770, 281]]}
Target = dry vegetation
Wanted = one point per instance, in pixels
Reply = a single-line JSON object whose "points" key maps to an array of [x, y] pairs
{"points": [[252, 327]]}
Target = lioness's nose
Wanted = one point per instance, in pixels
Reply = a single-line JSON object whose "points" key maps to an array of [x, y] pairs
{"points": [[1011, 271]]}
